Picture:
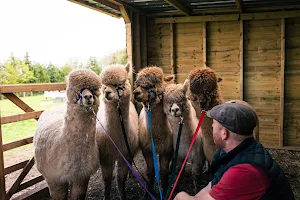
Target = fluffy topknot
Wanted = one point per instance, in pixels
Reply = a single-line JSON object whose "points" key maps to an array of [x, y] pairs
{"points": [[174, 93], [203, 80], [150, 75], [114, 74]]}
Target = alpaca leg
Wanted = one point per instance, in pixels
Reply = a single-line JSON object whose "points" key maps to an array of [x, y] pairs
{"points": [[78, 189], [150, 168], [107, 167], [58, 191], [164, 161], [122, 173]]}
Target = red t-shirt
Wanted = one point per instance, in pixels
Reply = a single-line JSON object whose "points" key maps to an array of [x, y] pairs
{"points": [[242, 182]]}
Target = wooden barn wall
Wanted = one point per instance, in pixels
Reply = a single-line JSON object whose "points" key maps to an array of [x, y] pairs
{"points": [[259, 61], [262, 48], [292, 83]]}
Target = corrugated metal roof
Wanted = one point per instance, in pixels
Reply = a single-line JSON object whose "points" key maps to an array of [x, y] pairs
{"points": [[167, 6]]}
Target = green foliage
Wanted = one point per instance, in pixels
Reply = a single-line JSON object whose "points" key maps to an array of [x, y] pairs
{"points": [[94, 65], [55, 74]]}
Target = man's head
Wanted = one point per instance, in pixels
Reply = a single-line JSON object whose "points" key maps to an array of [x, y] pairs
{"points": [[232, 122]]}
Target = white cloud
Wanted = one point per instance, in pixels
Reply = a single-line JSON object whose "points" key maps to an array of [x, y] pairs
{"points": [[57, 30]]}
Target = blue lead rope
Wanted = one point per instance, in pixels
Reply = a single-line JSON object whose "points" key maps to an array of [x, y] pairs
{"points": [[157, 176]]}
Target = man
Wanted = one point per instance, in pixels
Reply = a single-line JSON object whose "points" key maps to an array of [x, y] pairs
{"points": [[242, 168]]}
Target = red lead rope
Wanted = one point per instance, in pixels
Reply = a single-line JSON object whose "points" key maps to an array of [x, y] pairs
{"points": [[188, 153]]}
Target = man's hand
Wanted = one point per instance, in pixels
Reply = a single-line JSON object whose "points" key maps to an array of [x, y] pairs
{"points": [[203, 194], [184, 196]]}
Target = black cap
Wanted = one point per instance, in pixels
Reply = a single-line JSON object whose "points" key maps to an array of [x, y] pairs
{"points": [[235, 117]]}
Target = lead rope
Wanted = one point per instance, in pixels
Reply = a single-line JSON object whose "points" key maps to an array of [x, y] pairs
{"points": [[129, 166], [188, 153], [155, 163], [175, 157], [125, 136]]}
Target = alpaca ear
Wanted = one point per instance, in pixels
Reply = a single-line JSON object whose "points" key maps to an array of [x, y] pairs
{"points": [[219, 79], [169, 78], [186, 85], [128, 67]]}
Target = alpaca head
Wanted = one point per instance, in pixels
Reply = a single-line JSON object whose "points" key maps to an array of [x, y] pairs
{"points": [[115, 82], [150, 84], [203, 88], [175, 100], [83, 88]]}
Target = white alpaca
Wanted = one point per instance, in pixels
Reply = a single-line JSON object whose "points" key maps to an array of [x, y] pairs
{"points": [[116, 87], [176, 105], [66, 151]]}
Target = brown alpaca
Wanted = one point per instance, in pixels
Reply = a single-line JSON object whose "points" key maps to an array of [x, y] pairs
{"points": [[149, 87], [204, 94], [256, 129], [114, 79], [176, 105], [66, 151]]}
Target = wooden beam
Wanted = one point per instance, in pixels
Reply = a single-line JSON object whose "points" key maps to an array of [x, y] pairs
{"points": [[282, 67], [29, 183], [16, 100], [204, 45], [137, 41], [176, 4], [21, 117], [96, 9], [229, 17], [132, 8], [16, 185], [293, 148], [15, 167], [32, 87], [144, 41], [108, 4], [241, 62], [41, 191], [239, 4], [2, 173], [17, 143], [125, 14], [172, 52]]}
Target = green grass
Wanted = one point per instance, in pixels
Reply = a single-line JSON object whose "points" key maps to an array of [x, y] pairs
{"points": [[23, 129]]}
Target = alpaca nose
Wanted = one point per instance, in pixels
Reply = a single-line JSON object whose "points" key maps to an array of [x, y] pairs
{"points": [[202, 104], [175, 110], [136, 93]]}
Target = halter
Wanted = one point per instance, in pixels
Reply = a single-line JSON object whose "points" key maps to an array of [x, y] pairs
{"points": [[79, 95]]}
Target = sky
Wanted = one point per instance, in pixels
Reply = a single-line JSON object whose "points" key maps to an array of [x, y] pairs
{"points": [[57, 31]]}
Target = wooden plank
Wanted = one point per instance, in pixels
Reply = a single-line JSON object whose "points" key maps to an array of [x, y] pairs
{"points": [[112, 14], [137, 41], [292, 148], [172, 51], [176, 4], [37, 87], [17, 143], [241, 63], [16, 100], [239, 5], [16, 185], [21, 117], [204, 44], [282, 67], [37, 193], [230, 17], [131, 8], [15, 167], [125, 14], [30, 183], [144, 41], [2, 173]]}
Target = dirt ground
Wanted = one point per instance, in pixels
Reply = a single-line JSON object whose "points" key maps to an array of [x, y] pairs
{"points": [[288, 160]]}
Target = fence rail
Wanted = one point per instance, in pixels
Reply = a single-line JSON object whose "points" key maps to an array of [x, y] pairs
{"points": [[8, 91]]}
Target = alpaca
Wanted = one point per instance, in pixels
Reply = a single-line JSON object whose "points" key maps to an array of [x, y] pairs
{"points": [[149, 87], [176, 105], [256, 129], [204, 94], [66, 152], [116, 87]]}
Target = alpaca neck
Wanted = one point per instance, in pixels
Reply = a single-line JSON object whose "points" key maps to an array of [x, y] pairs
{"points": [[157, 111]]}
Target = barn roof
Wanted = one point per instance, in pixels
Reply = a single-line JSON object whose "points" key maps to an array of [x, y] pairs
{"points": [[187, 7]]}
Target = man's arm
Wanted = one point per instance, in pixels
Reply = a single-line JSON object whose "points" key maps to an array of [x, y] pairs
{"points": [[203, 194]]}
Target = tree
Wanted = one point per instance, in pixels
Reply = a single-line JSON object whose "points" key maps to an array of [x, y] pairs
{"points": [[94, 65], [40, 73], [55, 74]]}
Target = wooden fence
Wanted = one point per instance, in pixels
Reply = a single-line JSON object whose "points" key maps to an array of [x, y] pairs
{"points": [[8, 91]]}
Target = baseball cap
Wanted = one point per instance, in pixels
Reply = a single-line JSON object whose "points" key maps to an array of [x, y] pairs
{"points": [[235, 117]]}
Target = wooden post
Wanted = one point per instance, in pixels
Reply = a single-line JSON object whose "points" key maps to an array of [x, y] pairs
{"points": [[241, 63], [204, 44], [2, 177], [137, 41], [172, 52], [144, 41], [282, 82]]}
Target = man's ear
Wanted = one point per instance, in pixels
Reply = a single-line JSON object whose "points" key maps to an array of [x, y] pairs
{"points": [[225, 134]]}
